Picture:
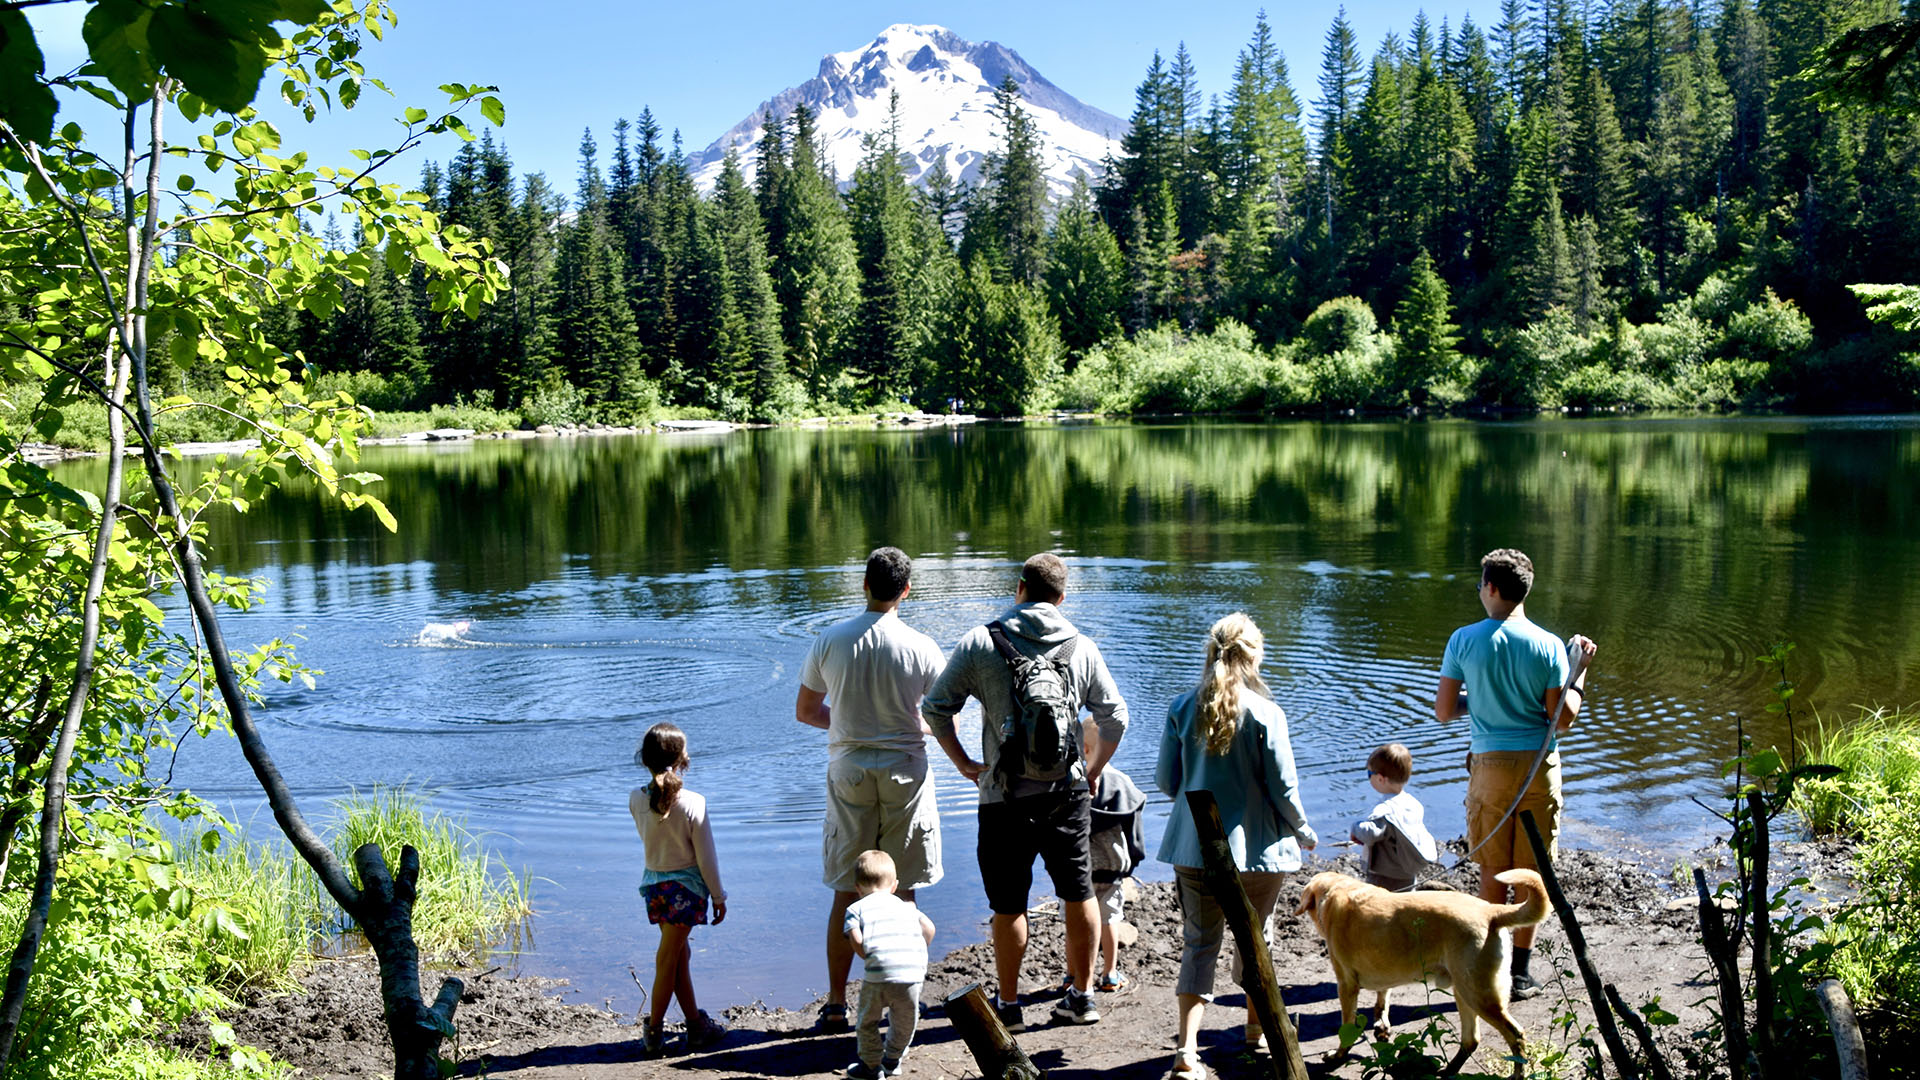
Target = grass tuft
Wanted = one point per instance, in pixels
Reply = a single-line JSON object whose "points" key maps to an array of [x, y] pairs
{"points": [[466, 896], [1880, 753]]}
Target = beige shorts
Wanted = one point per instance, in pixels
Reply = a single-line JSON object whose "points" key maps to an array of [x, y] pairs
{"points": [[880, 799], [1493, 781], [1112, 898]]}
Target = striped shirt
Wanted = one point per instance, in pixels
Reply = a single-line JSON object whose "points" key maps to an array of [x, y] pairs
{"points": [[890, 932]]}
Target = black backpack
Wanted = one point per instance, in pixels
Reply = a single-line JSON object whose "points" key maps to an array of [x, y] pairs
{"points": [[1041, 740]]}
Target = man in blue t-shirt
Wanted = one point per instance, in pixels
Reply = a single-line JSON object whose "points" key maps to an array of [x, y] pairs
{"points": [[1514, 672]]}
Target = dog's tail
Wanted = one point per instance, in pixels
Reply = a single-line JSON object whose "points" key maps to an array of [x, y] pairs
{"points": [[1534, 908]]}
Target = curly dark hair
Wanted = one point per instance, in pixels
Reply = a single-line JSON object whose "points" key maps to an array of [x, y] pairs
{"points": [[888, 570], [1510, 573]]}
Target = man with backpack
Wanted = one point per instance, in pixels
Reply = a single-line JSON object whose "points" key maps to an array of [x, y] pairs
{"points": [[1033, 673]]}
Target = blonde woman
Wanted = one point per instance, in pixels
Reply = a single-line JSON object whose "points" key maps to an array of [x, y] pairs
{"points": [[1229, 738]]}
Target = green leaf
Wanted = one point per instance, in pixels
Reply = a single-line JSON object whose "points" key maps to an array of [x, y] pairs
{"points": [[116, 36], [492, 109], [204, 54], [26, 103], [380, 511], [416, 115]]}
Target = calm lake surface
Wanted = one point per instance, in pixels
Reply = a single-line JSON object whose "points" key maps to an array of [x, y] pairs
{"points": [[611, 583]]}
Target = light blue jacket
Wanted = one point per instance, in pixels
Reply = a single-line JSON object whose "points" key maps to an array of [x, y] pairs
{"points": [[1254, 783]]}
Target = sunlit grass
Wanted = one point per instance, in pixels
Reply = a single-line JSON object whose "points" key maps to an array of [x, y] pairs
{"points": [[466, 896], [1880, 753]]}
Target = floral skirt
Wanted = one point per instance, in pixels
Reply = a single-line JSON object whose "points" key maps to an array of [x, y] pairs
{"points": [[672, 902]]}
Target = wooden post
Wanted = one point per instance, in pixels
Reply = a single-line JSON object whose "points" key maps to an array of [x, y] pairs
{"points": [[1761, 906], [1849, 1045], [1721, 951], [992, 1045], [1249, 936], [1577, 941]]}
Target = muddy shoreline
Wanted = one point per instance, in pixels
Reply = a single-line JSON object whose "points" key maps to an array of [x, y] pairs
{"points": [[1640, 926]]}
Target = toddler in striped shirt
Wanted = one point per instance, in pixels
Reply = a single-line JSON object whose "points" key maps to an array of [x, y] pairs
{"points": [[892, 936]]}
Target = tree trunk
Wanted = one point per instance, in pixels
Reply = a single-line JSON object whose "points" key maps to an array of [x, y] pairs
{"points": [[1721, 952], [1577, 942], [992, 1045], [1263, 989]]}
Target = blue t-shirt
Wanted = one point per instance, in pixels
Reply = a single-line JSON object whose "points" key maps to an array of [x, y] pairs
{"points": [[1508, 667]]}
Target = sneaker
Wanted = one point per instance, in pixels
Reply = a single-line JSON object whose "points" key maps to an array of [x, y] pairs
{"points": [[1113, 982], [653, 1041], [705, 1032], [1523, 987], [1010, 1015], [1076, 1008], [860, 1070], [891, 1066]]}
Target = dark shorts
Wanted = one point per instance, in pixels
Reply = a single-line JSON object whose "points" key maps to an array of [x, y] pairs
{"points": [[1055, 826], [672, 902]]}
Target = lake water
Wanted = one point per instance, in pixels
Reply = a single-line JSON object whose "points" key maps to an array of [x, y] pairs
{"points": [[611, 583]]}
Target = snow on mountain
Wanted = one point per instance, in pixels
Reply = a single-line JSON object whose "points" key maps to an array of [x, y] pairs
{"points": [[946, 86]]}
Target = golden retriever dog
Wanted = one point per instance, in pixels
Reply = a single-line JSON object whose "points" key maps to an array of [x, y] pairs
{"points": [[1378, 940]]}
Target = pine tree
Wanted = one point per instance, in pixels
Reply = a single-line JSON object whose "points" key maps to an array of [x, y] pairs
{"points": [[1426, 349], [750, 358], [1341, 77], [902, 255], [1265, 150], [1009, 225], [594, 328], [816, 274], [1086, 275]]}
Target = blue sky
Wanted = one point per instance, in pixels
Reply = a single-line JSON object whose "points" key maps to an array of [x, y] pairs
{"points": [[703, 65]]}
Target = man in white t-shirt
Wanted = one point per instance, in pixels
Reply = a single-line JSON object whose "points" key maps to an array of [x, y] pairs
{"points": [[862, 683]]}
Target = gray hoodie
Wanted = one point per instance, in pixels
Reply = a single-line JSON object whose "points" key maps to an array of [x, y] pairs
{"points": [[976, 670]]}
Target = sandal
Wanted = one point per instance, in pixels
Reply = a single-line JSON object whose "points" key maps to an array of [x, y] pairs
{"points": [[1187, 1066], [833, 1019]]}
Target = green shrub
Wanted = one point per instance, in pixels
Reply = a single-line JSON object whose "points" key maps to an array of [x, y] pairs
{"points": [[1770, 331], [368, 388], [1876, 953], [1342, 324], [1597, 386], [1347, 379], [556, 402], [132, 951]]}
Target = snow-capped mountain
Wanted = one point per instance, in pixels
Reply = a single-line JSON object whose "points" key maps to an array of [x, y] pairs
{"points": [[946, 85]]}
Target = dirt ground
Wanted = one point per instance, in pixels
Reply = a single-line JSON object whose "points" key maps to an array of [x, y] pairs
{"points": [[1640, 930]]}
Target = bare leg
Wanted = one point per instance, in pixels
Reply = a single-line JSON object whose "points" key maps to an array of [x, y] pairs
{"points": [[683, 988], [839, 949], [1189, 1010], [1083, 940], [1109, 948], [668, 963], [1010, 948]]}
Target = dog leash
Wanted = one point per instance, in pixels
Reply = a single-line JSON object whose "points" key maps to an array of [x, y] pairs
{"points": [[1576, 664]]}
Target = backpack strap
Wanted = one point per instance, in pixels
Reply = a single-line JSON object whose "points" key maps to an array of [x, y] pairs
{"points": [[997, 630]]}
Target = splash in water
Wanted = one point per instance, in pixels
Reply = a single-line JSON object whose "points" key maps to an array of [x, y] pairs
{"points": [[444, 633]]}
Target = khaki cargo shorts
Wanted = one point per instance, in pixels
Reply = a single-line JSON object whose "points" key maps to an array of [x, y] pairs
{"points": [[880, 799], [1493, 781]]}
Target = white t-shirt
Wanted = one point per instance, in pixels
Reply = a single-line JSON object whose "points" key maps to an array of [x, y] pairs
{"points": [[874, 670]]}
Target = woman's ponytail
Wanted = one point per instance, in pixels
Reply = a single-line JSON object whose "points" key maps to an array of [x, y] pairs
{"points": [[663, 752], [1234, 649]]}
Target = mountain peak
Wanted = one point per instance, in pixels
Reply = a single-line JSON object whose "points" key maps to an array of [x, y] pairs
{"points": [[945, 85]]}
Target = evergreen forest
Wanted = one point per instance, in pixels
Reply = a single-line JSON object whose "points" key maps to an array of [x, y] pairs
{"points": [[1640, 203]]}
